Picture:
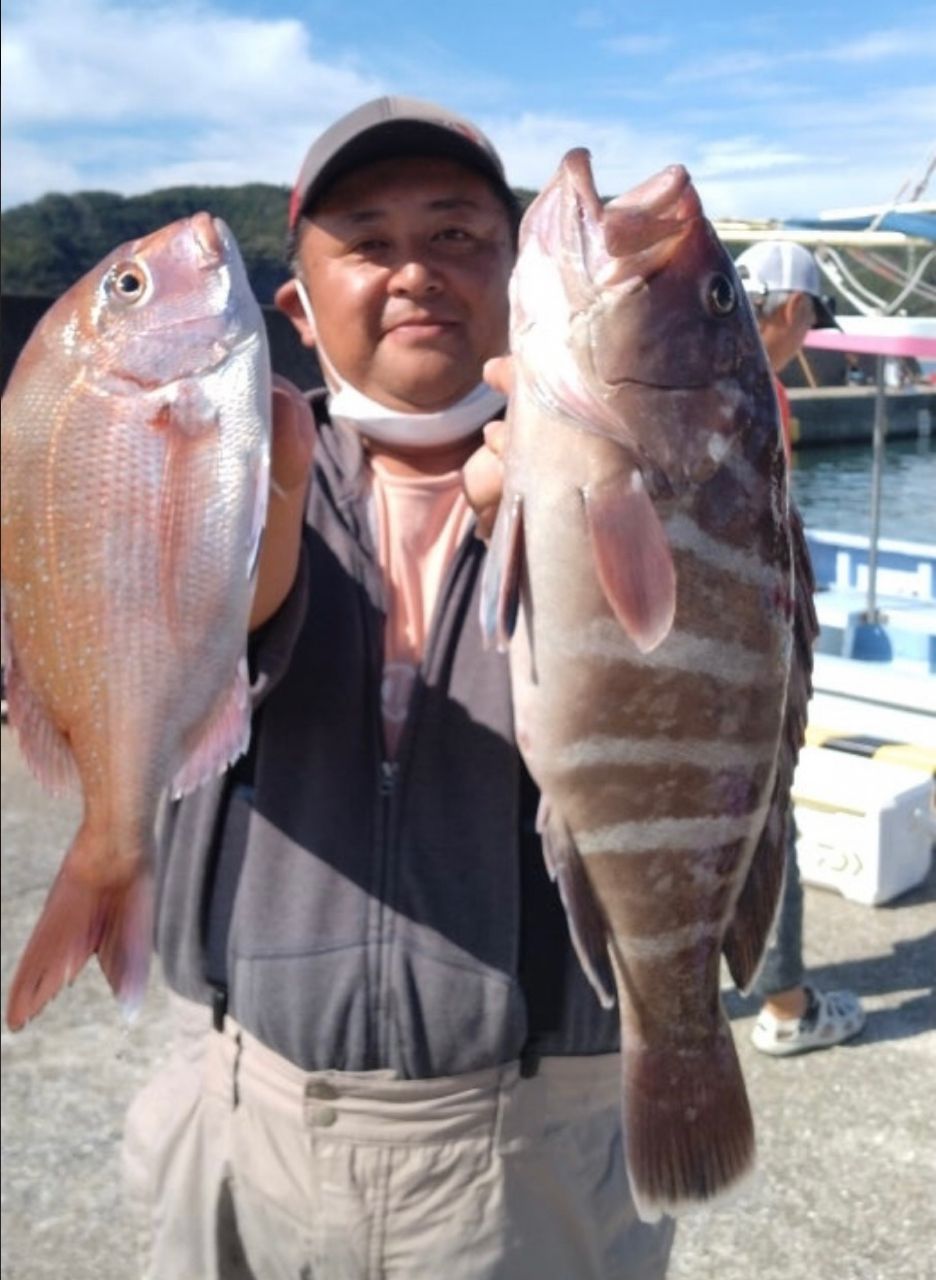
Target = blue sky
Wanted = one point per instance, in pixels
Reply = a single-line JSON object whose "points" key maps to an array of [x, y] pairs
{"points": [[775, 110]]}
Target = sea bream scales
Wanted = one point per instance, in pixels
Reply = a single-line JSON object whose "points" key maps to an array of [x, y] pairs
{"points": [[653, 585]]}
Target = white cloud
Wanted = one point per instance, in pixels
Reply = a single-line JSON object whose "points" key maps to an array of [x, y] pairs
{"points": [[591, 19], [100, 61], [637, 45], [881, 44], [228, 98], [743, 155], [130, 97], [533, 144]]}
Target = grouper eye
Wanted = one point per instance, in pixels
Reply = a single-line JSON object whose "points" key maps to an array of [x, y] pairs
{"points": [[721, 296], [127, 282]]}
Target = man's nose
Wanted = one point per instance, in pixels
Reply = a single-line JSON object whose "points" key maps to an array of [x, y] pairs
{"points": [[413, 276]]}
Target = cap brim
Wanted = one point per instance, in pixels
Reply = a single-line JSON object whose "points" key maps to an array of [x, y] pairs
{"points": [[825, 316]]}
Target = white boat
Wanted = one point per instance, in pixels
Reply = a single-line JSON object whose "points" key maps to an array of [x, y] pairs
{"points": [[864, 795]]}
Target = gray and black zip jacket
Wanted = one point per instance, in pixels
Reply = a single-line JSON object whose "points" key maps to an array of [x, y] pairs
{"points": [[355, 913]]}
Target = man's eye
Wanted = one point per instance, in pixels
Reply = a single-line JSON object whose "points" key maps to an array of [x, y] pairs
{"points": [[457, 235]]}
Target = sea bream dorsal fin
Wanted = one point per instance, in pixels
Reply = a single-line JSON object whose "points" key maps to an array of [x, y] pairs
{"points": [[632, 557]]}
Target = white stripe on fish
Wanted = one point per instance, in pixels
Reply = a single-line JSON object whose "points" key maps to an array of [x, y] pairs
{"points": [[603, 639], [706, 753], [638, 837], [684, 534], [660, 945]]}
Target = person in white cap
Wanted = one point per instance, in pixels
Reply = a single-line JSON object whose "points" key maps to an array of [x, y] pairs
{"points": [[783, 282], [390, 1062]]}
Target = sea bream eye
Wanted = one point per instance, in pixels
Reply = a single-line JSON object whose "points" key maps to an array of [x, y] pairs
{"points": [[721, 296], [127, 283]]}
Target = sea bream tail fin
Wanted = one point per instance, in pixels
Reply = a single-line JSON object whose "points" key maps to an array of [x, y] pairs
{"points": [[78, 921], [688, 1129], [632, 558], [503, 573], [587, 925]]}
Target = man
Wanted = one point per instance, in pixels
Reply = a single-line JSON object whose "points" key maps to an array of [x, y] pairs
{"points": [[782, 280], [393, 1064]]}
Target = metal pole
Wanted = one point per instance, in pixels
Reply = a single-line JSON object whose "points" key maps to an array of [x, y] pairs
{"points": [[877, 471]]}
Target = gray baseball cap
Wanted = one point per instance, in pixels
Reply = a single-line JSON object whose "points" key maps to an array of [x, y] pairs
{"points": [[388, 127], [783, 266]]}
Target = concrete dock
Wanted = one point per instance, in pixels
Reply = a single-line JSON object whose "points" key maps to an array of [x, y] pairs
{"points": [[845, 1187]]}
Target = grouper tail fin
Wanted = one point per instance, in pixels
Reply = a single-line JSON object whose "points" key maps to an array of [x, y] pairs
{"points": [[688, 1130]]}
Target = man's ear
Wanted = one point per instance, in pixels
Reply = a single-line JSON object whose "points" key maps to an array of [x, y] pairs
{"points": [[287, 300], [799, 307]]}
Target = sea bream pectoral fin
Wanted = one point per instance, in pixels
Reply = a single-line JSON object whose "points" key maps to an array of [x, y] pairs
{"points": [[632, 557], [190, 426], [44, 746], [220, 739]]}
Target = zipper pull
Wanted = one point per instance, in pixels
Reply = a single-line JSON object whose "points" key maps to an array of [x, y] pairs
{"points": [[388, 776]]}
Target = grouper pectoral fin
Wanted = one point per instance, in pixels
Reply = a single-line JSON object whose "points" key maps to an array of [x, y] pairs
{"points": [[503, 571], [587, 925], [632, 558]]}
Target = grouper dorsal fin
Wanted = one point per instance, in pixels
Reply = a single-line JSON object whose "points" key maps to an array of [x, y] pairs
{"points": [[632, 557]]}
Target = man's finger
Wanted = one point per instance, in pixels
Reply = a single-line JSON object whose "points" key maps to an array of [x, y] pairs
{"points": [[495, 436], [498, 373]]}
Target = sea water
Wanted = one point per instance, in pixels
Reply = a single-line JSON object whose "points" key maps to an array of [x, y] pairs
{"points": [[832, 487]]}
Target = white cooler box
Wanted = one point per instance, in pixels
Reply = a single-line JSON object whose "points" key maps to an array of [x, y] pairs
{"points": [[866, 827]]}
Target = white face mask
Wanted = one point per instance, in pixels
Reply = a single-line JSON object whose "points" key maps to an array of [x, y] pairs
{"points": [[389, 426]]}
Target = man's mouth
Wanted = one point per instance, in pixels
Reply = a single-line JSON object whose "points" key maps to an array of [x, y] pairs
{"points": [[418, 327]]}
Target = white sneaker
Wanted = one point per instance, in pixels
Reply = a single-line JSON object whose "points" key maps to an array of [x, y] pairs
{"points": [[830, 1018]]}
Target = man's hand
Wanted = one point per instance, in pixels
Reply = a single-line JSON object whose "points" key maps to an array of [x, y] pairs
{"points": [[291, 449], [483, 473], [293, 441]]}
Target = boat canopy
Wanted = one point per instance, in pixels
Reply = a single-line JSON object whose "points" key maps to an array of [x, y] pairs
{"points": [[913, 221], [847, 245]]}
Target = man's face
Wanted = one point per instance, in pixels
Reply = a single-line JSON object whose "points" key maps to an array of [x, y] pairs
{"points": [[406, 264]]}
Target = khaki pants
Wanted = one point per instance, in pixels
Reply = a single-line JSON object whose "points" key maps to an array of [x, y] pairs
{"points": [[243, 1167]]}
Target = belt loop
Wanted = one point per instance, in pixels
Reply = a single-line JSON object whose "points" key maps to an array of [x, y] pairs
{"points": [[529, 1062], [219, 1000]]}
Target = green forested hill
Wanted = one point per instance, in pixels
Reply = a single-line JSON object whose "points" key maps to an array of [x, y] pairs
{"points": [[49, 244]]}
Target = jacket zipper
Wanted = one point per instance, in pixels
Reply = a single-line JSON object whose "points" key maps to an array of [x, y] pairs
{"points": [[389, 775]]}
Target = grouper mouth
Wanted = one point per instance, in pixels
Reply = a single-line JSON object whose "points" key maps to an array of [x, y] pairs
{"points": [[623, 243]]}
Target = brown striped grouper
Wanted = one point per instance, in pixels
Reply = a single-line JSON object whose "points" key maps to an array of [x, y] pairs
{"points": [[652, 583]]}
